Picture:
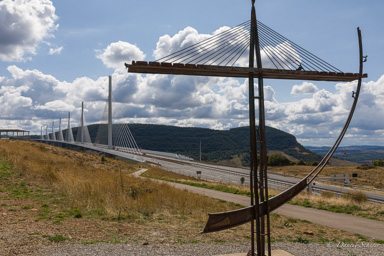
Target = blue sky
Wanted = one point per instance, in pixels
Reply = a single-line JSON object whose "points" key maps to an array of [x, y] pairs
{"points": [[55, 54]]}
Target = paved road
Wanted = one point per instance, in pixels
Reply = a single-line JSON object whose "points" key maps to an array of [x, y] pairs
{"points": [[366, 227]]}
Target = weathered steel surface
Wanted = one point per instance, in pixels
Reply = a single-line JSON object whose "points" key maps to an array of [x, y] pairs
{"points": [[221, 71], [225, 220]]}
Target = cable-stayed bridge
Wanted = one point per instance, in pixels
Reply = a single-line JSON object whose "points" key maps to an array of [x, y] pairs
{"points": [[275, 57], [111, 138]]}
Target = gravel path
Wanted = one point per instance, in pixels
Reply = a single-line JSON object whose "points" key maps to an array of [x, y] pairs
{"points": [[296, 249]]}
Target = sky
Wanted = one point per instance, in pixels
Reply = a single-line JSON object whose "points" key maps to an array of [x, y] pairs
{"points": [[55, 54]]}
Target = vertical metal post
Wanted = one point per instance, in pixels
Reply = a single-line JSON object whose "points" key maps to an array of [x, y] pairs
{"points": [[252, 124], [110, 146], [263, 185], [82, 123]]}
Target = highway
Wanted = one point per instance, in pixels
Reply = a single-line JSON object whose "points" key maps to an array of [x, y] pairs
{"points": [[223, 174], [233, 175]]}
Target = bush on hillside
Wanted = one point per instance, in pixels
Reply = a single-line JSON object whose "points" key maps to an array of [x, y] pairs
{"points": [[365, 167], [277, 159], [378, 162], [301, 162]]}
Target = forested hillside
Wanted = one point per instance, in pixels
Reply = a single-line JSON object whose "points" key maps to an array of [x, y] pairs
{"points": [[216, 145]]}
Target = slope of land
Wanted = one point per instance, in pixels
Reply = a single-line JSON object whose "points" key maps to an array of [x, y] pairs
{"points": [[51, 195], [216, 145], [359, 154]]}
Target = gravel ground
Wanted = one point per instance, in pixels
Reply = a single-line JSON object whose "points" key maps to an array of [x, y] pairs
{"points": [[296, 249]]}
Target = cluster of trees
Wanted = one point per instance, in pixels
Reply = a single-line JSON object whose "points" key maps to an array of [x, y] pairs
{"points": [[278, 159], [378, 162]]}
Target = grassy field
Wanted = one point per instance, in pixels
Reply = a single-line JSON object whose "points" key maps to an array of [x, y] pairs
{"points": [[50, 195], [372, 177], [351, 203]]}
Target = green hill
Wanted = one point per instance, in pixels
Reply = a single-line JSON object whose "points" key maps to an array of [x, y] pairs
{"points": [[216, 145]]}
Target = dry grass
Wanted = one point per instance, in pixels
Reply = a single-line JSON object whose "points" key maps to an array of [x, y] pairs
{"points": [[147, 211], [351, 203], [354, 203], [373, 178], [158, 173], [103, 187]]}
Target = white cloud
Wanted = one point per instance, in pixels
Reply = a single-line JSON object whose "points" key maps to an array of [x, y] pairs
{"points": [[281, 56], [57, 106], [42, 88], [56, 50], [184, 38], [211, 102], [304, 88], [189, 36], [23, 25], [116, 54], [13, 103]]}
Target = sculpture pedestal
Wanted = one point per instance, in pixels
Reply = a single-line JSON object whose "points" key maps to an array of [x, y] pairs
{"points": [[274, 253]]}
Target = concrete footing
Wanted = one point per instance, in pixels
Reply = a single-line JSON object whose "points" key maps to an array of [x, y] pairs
{"points": [[274, 253]]}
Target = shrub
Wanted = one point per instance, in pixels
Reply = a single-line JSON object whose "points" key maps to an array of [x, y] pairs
{"points": [[76, 213], [301, 162], [365, 167], [301, 240], [327, 194], [57, 239], [277, 159], [314, 163], [378, 162], [356, 196]]}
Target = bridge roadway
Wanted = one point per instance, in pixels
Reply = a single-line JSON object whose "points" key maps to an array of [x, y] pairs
{"points": [[224, 174]]}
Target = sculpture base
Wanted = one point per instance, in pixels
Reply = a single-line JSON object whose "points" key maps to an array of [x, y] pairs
{"points": [[274, 253]]}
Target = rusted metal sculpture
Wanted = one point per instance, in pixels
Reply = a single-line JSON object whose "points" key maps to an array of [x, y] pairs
{"points": [[295, 63]]}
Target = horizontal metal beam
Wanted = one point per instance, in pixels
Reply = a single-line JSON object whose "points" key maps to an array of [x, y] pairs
{"points": [[222, 71]]}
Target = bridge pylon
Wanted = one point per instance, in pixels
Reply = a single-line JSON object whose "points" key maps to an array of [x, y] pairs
{"points": [[53, 135], [60, 134], [69, 137]]}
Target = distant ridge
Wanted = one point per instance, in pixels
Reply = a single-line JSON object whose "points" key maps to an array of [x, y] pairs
{"points": [[216, 145], [359, 154]]}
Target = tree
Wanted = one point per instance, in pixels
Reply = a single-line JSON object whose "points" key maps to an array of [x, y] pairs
{"points": [[378, 162], [301, 162], [277, 159]]}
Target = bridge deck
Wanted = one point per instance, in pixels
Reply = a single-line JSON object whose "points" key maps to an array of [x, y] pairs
{"points": [[222, 71]]}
